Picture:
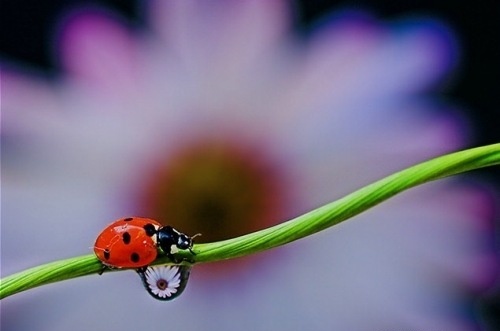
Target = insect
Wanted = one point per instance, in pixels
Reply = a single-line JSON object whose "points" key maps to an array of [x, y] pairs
{"points": [[165, 282], [170, 241], [133, 243]]}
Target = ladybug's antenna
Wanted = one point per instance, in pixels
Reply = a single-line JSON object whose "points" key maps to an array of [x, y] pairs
{"points": [[190, 248]]}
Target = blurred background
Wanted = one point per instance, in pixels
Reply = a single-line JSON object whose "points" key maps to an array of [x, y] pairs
{"points": [[30, 25], [366, 275]]}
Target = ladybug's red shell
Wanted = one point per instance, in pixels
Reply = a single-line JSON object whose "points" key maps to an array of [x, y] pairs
{"points": [[128, 243]]}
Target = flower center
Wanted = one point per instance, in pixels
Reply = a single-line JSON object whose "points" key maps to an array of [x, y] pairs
{"points": [[218, 189], [162, 284]]}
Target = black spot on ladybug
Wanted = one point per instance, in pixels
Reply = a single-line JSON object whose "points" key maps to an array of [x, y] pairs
{"points": [[128, 219], [150, 229], [126, 238], [134, 257], [106, 254]]}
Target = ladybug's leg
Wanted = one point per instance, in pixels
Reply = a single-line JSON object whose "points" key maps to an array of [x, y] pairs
{"points": [[192, 242], [176, 260], [173, 258], [141, 270], [103, 268], [190, 260]]}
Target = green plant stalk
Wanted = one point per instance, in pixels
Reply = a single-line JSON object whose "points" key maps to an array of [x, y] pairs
{"points": [[300, 227]]}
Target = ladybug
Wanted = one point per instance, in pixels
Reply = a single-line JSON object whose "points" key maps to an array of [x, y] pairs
{"points": [[133, 242]]}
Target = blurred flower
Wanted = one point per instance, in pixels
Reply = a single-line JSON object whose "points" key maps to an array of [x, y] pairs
{"points": [[219, 121]]}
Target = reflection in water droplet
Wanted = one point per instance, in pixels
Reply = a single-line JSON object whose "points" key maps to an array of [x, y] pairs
{"points": [[165, 282]]}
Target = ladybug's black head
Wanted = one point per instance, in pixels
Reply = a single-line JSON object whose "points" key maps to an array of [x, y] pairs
{"points": [[167, 237], [184, 241]]}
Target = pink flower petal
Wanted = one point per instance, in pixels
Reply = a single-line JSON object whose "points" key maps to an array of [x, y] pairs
{"points": [[98, 51]]}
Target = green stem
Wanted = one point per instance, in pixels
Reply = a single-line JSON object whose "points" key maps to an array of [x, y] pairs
{"points": [[300, 227]]}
